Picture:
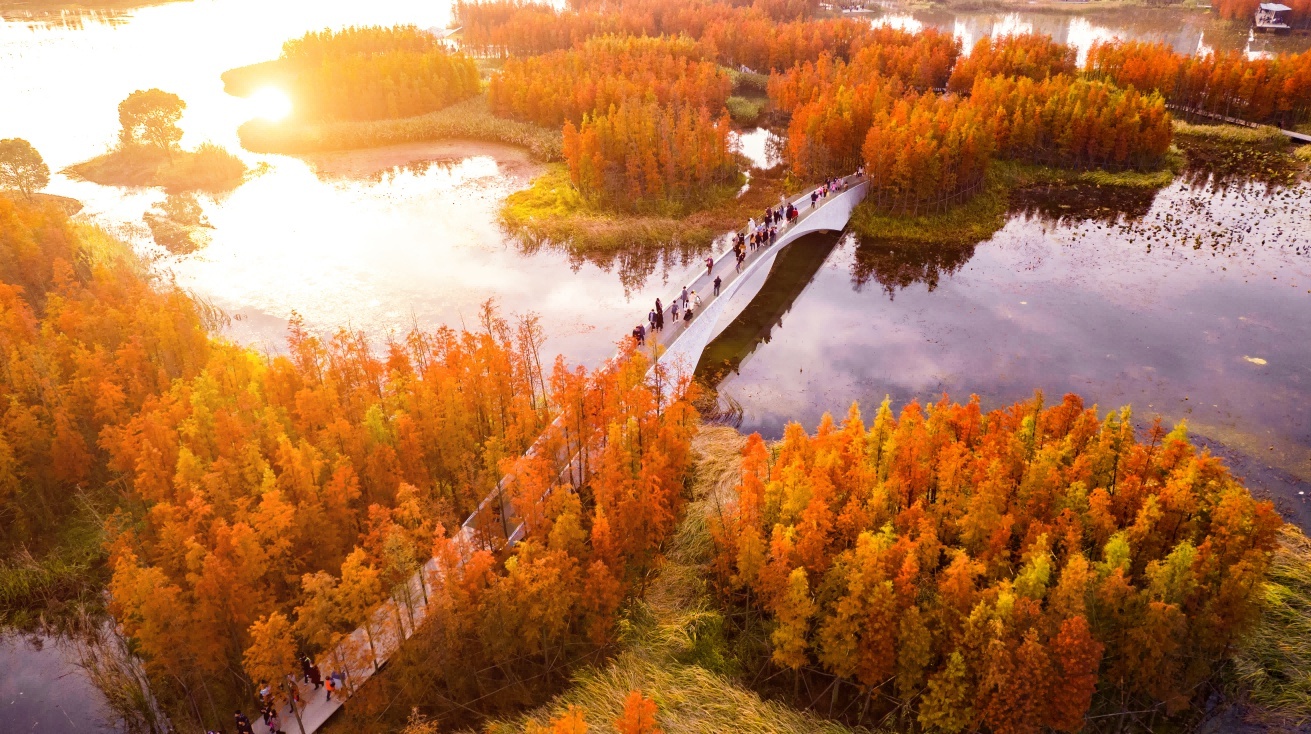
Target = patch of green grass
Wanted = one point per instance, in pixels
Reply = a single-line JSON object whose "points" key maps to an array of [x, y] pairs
{"points": [[1264, 135], [552, 212], [1302, 153], [978, 218], [58, 585], [1273, 666], [467, 120], [673, 647], [748, 82], [744, 111], [208, 168]]}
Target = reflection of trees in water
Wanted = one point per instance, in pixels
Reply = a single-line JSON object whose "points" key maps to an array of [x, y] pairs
{"points": [[634, 264], [1071, 204], [897, 266]]}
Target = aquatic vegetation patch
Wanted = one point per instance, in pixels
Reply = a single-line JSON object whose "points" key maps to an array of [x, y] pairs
{"points": [[553, 211], [209, 168], [1223, 154]]}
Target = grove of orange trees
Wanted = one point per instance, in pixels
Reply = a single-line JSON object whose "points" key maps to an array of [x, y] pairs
{"points": [[375, 73], [89, 340], [925, 150], [595, 527], [736, 36], [1073, 122], [605, 72], [642, 153], [257, 497], [1014, 571], [921, 61], [1274, 91], [1028, 55]]}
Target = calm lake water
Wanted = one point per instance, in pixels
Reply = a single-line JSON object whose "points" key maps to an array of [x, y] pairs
{"points": [[1196, 306], [388, 240]]}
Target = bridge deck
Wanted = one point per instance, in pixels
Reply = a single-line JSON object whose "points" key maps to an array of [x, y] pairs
{"points": [[725, 267]]}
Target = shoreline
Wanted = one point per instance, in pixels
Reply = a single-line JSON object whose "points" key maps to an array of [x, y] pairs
{"points": [[515, 162]]}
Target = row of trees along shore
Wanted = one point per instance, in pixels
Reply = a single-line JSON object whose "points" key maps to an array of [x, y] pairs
{"points": [[847, 87], [1018, 571], [256, 496], [369, 73]]}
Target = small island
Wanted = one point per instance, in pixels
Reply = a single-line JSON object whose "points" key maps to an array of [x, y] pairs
{"points": [[148, 151]]}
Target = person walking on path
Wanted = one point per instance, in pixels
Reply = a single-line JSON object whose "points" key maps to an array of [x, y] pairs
{"points": [[710, 265], [243, 724], [687, 317], [717, 282], [659, 308], [696, 301], [316, 676], [684, 296], [275, 724], [331, 685], [673, 311]]}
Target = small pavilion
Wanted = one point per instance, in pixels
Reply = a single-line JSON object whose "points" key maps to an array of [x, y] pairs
{"points": [[1272, 17]]}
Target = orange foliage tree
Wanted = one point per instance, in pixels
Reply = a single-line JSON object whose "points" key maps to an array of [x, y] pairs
{"points": [[606, 72], [1273, 90], [643, 154], [1027, 55], [1010, 569], [374, 73]]}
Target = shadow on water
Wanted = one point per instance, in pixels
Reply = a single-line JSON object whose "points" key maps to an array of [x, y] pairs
{"points": [[1070, 204], [793, 269]]}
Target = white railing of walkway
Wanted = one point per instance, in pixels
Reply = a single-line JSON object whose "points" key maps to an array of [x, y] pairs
{"points": [[364, 651]]}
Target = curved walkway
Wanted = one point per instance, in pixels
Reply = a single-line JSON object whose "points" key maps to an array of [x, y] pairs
{"points": [[669, 343]]}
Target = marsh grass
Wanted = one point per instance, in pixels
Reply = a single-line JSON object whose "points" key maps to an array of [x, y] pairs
{"points": [[467, 120], [1221, 153], [1273, 666], [57, 585], [551, 212], [209, 168], [981, 216], [745, 110], [673, 647]]}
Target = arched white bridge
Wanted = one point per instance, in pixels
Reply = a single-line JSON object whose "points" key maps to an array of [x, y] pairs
{"points": [[682, 342]]}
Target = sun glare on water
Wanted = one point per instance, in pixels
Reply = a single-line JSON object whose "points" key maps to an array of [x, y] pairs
{"points": [[270, 103]]}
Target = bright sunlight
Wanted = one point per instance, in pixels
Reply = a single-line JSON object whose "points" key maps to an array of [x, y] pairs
{"points": [[270, 103]]}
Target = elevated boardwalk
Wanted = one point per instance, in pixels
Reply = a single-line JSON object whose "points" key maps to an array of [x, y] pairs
{"points": [[1290, 134], [683, 343], [364, 651]]}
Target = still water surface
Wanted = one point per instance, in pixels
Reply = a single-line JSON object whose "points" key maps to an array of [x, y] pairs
{"points": [[1196, 306]]}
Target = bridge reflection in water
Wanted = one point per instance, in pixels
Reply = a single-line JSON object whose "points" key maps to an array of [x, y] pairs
{"points": [[791, 274]]}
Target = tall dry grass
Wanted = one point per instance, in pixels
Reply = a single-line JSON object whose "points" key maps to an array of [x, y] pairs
{"points": [[1273, 667], [673, 648]]}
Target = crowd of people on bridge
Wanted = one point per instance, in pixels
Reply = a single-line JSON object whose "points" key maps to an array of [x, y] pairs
{"points": [[755, 236]]}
